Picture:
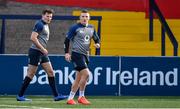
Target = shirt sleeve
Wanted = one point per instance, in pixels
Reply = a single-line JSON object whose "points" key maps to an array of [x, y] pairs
{"points": [[38, 27], [72, 32], [96, 37]]}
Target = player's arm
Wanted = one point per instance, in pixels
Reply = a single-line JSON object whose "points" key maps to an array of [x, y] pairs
{"points": [[69, 35], [66, 49], [34, 37], [96, 39]]}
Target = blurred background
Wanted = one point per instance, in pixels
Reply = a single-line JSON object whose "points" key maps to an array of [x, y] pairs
{"points": [[125, 25]]}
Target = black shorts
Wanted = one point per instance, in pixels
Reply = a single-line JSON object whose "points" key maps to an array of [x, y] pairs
{"points": [[80, 61], [36, 57]]}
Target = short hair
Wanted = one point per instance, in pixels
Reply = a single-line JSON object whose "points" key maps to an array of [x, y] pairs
{"points": [[49, 11], [84, 11]]}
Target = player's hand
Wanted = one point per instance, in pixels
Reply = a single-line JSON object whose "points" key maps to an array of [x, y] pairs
{"points": [[97, 45], [67, 57], [44, 51]]}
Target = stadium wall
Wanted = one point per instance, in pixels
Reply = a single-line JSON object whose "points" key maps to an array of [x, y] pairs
{"points": [[169, 8], [124, 76]]}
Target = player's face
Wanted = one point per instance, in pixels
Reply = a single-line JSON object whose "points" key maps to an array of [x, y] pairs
{"points": [[84, 18], [47, 17]]}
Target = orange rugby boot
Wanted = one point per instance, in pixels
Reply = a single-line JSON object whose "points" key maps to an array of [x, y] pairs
{"points": [[83, 100], [71, 102]]}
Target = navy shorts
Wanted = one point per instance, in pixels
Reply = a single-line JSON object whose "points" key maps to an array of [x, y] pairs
{"points": [[36, 57], [80, 61]]}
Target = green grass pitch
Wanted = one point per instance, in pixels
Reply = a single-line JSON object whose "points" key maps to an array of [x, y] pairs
{"points": [[46, 102]]}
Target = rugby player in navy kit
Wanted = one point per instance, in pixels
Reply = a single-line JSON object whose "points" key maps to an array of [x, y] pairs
{"points": [[80, 35], [38, 54]]}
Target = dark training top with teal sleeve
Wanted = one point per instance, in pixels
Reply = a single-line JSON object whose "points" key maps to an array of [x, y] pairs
{"points": [[80, 37], [42, 29]]}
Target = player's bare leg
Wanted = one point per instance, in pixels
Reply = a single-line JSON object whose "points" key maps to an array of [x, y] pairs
{"points": [[31, 71], [74, 88], [82, 84], [48, 68]]}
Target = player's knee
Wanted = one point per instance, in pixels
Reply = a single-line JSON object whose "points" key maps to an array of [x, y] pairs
{"points": [[82, 82], [84, 78], [31, 73]]}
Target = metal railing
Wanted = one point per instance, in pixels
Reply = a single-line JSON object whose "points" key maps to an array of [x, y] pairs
{"points": [[153, 7]]}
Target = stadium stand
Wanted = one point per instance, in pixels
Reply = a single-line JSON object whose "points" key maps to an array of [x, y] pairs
{"points": [[124, 33], [127, 33]]}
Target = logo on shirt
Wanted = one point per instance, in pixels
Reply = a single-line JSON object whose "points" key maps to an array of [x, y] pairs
{"points": [[87, 39]]}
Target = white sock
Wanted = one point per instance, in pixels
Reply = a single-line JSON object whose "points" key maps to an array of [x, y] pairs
{"points": [[71, 95], [81, 93]]}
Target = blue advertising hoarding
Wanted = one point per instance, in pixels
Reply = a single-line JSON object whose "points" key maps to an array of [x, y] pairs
{"points": [[150, 76], [14, 69], [136, 76]]}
